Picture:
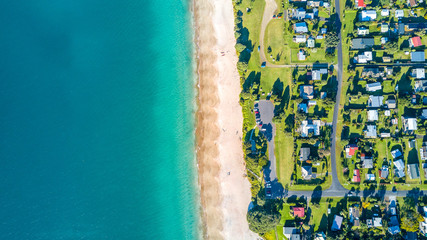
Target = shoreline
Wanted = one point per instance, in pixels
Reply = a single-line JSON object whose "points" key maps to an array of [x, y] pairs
{"points": [[224, 189]]}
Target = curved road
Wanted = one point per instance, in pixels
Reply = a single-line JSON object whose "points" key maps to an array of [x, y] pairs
{"points": [[269, 9]]}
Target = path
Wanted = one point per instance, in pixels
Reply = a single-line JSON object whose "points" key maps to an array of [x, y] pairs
{"points": [[269, 9], [266, 110]]}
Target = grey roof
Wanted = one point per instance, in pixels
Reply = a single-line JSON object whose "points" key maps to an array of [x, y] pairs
{"points": [[375, 101], [417, 56], [413, 171], [362, 43], [372, 87], [368, 163], [394, 230], [336, 225], [424, 114], [401, 28], [304, 154], [371, 131]]}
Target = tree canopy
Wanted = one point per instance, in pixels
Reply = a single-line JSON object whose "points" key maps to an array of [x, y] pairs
{"points": [[331, 40], [262, 220]]}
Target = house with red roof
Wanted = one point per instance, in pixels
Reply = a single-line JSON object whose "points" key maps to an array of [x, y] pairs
{"points": [[299, 212], [350, 150], [360, 3], [356, 176], [415, 41]]}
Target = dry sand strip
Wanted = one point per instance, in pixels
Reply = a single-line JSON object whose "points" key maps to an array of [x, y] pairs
{"points": [[225, 192]]}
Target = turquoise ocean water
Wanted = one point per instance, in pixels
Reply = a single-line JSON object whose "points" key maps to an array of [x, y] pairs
{"points": [[96, 120]]}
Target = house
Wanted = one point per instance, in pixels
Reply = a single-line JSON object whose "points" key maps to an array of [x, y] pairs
{"points": [[320, 236], [384, 27], [386, 59], [371, 72], [299, 212], [368, 162], [375, 101], [385, 134], [300, 38], [306, 172], [304, 154], [362, 31], [311, 43], [315, 3], [383, 172], [310, 127], [377, 222], [323, 30], [385, 12], [400, 168], [372, 115], [401, 28], [371, 131], [306, 91], [396, 153], [399, 13], [356, 176], [354, 214], [301, 55], [350, 150], [364, 57], [302, 107], [317, 74], [362, 43], [413, 171], [417, 56], [367, 15], [391, 103], [420, 86], [369, 223], [291, 233], [412, 3], [424, 114], [300, 27], [372, 87], [384, 40], [370, 177], [415, 41], [418, 73], [323, 95], [359, 3], [423, 151], [409, 124], [299, 13], [336, 224], [394, 230], [312, 103]]}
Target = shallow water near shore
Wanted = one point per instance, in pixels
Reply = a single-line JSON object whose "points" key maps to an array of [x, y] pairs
{"points": [[97, 120]]}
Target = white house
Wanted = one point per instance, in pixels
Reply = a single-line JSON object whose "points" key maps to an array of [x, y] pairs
{"points": [[385, 12], [399, 13], [368, 15], [362, 31], [300, 38], [372, 87], [364, 57], [372, 115], [409, 124]]}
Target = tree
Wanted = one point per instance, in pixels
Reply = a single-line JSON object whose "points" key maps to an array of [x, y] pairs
{"points": [[385, 2], [391, 47], [331, 40], [262, 220], [240, 47], [237, 35], [242, 66], [420, 32], [411, 221]]}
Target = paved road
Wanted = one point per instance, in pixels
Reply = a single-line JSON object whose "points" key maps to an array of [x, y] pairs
{"points": [[266, 109], [392, 65]]}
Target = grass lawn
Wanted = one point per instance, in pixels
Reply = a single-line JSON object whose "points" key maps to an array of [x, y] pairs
{"points": [[283, 151], [275, 40]]}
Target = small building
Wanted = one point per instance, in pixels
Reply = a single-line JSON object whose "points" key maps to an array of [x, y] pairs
{"points": [[399, 13], [320, 236], [396, 153], [372, 72], [323, 95], [311, 43], [413, 171], [372, 115], [299, 212], [354, 214], [306, 91], [401, 28], [291, 233], [386, 59], [304, 154], [418, 56], [383, 172], [375, 101], [368, 15], [377, 222], [301, 55], [415, 42], [359, 3], [373, 87], [385, 134], [362, 43], [306, 172], [336, 224], [300, 27], [364, 57], [362, 31], [356, 176], [391, 104], [385, 12], [370, 177], [302, 107], [310, 127], [424, 114], [418, 73], [394, 230], [350, 150], [371, 131], [412, 3], [409, 125], [420, 86], [384, 27], [399, 168], [384, 40], [368, 162], [423, 151], [323, 30], [300, 39]]}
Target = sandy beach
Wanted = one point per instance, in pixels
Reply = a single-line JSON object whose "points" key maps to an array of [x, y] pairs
{"points": [[225, 192]]}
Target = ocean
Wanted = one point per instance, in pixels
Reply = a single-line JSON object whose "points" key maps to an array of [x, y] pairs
{"points": [[97, 120]]}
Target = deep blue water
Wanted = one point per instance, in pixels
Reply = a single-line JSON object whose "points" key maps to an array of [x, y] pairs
{"points": [[96, 120]]}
